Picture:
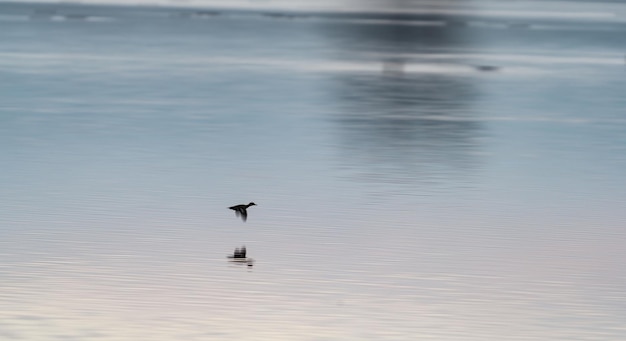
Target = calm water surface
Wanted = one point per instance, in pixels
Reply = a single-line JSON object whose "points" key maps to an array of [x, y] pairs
{"points": [[437, 176]]}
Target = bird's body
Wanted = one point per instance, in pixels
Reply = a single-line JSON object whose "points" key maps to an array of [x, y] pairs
{"points": [[240, 210]]}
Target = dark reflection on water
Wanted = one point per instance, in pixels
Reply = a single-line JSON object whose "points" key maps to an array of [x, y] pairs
{"points": [[403, 126], [408, 128]]}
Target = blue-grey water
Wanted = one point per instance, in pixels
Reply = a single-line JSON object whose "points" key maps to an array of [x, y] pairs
{"points": [[435, 175]]}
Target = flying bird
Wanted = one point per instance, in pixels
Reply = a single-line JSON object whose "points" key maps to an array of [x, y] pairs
{"points": [[240, 210]]}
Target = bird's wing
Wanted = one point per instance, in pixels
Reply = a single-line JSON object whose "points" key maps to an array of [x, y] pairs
{"points": [[244, 215]]}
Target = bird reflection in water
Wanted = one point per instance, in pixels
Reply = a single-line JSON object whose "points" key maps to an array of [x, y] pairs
{"points": [[239, 256]]}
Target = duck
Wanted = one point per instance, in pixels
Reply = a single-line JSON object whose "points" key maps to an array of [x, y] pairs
{"points": [[240, 210]]}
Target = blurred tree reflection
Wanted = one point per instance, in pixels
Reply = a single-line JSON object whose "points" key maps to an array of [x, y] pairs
{"points": [[400, 125]]}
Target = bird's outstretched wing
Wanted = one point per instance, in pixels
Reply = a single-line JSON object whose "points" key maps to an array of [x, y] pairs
{"points": [[240, 211]]}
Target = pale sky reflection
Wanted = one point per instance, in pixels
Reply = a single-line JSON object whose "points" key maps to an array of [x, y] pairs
{"points": [[251, 306]]}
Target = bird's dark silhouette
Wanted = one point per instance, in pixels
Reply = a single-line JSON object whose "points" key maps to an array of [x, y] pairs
{"points": [[240, 210]]}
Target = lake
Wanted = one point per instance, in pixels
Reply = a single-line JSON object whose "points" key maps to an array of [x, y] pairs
{"points": [[421, 171]]}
